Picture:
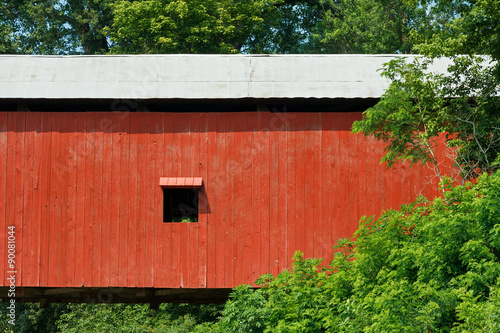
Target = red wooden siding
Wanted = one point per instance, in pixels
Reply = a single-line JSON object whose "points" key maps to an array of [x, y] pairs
{"points": [[83, 191]]}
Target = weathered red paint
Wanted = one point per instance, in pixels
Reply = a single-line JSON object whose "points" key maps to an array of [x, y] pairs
{"points": [[83, 191]]}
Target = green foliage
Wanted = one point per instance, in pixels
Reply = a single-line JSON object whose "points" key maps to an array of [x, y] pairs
{"points": [[278, 26], [6, 45], [459, 27], [135, 318], [473, 114], [177, 26], [431, 266], [410, 114], [200, 26], [56, 27], [286, 27], [416, 109], [367, 26], [31, 318], [173, 318], [464, 102]]}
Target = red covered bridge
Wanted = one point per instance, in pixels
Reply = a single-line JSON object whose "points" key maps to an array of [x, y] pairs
{"points": [[175, 178]]}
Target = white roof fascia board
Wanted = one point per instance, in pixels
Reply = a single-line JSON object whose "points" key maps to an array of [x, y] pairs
{"points": [[195, 76]]}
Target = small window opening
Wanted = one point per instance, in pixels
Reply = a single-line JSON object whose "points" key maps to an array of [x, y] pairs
{"points": [[180, 205]]}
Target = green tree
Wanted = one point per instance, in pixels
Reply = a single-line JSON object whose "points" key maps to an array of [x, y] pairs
{"points": [[367, 26], [416, 109], [56, 27], [287, 27], [463, 102], [277, 26], [177, 26], [201, 26], [459, 27], [31, 318], [135, 317]]}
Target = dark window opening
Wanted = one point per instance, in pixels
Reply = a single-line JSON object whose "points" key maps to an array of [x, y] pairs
{"points": [[180, 205]]}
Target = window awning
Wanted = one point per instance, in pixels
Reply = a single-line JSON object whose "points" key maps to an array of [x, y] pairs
{"points": [[180, 182]]}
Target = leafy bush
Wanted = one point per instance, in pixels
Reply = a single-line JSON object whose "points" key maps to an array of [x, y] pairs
{"points": [[431, 266], [135, 318]]}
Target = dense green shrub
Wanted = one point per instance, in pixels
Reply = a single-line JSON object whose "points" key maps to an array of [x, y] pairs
{"points": [[431, 266]]}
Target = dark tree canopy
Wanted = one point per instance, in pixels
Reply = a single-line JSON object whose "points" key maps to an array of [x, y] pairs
{"points": [[55, 27], [201, 26]]}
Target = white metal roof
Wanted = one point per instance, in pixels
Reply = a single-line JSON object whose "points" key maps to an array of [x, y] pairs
{"points": [[194, 76]]}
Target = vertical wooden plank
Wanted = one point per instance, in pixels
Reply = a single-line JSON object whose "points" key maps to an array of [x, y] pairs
{"points": [[371, 167], [327, 191], [264, 197], [300, 180], [90, 198], [247, 217], [71, 193], [3, 193], [80, 199], [176, 172], [158, 200], [212, 187], [142, 201], [379, 176], [57, 227], [151, 186], [256, 195], [291, 183], [336, 175], [237, 211], [167, 227], [22, 197], [62, 214], [274, 226], [27, 221], [133, 176], [185, 164], [361, 144], [10, 188], [114, 199], [45, 188], [353, 173], [19, 194], [307, 162], [99, 150], [55, 179], [283, 199], [124, 199], [158, 203], [344, 159], [318, 202], [220, 218], [204, 207], [107, 199], [229, 198], [195, 172], [10, 214]]}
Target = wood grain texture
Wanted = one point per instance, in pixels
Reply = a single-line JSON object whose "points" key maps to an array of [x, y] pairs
{"points": [[82, 190]]}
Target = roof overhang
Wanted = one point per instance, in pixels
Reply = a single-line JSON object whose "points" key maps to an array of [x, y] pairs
{"points": [[194, 77]]}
